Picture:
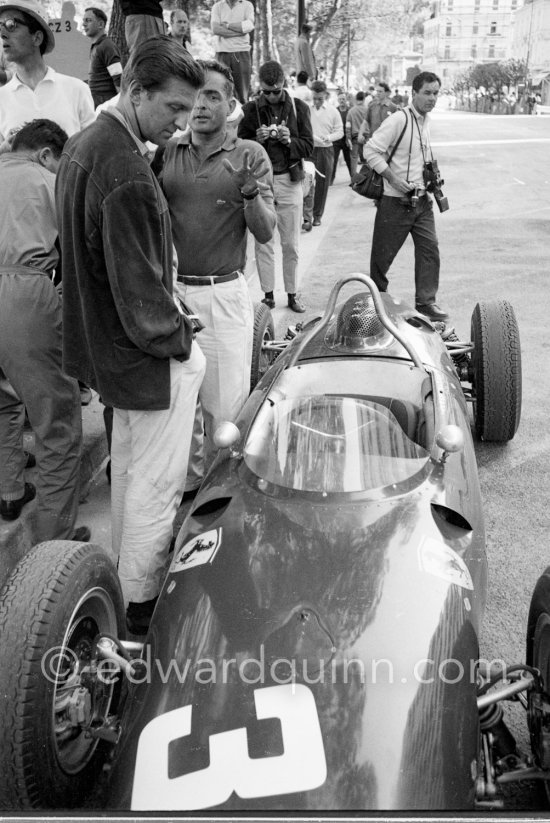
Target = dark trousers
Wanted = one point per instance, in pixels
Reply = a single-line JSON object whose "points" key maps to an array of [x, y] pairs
{"points": [[324, 163], [30, 357], [341, 146], [393, 223], [241, 67]]}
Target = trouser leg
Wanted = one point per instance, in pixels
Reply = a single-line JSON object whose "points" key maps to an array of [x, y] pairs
{"points": [[323, 159], [336, 147], [241, 67], [265, 260], [139, 27], [289, 197], [347, 157], [426, 254], [12, 460], [354, 155], [31, 321], [150, 450], [226, 342], [391, 227], [308, 203]]}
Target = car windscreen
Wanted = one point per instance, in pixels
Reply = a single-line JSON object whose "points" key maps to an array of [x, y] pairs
{"points": [[326, 443]]}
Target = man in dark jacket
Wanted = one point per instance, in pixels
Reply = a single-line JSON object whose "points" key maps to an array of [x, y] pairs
{"points": [[283, 126], [124, 333]]}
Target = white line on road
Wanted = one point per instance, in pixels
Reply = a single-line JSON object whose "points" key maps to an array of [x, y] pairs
{"points": [[492, 142], [518, 181]]}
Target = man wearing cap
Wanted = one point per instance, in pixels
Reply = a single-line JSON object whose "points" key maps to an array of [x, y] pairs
{"points": [[36, 90]]}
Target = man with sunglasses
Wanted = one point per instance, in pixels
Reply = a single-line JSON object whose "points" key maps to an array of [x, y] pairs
{"points": [[283, 127], [36, 90]]}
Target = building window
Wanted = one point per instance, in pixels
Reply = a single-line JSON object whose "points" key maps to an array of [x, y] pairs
{"points": [[450, 5], [448, 30], [495, 5], [474, 52], [493, 29], [514, 5], [491, 51], [447, 53], [477, 5], [475, 28]]}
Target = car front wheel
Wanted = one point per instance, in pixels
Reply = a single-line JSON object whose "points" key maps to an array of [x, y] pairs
{"points": [[58, 599]]}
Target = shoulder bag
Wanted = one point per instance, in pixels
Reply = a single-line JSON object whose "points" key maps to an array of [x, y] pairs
{"points": [[367, 182]]}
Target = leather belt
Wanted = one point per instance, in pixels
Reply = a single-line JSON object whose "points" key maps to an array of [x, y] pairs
{"points": [[18, 269], [209, 281]]}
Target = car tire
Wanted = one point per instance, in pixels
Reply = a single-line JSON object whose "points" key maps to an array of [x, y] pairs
{"points": [[58, 597], [264, 329], [496, 371], [537, 654]]}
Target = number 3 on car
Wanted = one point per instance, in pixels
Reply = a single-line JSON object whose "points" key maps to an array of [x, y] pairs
{"points": [[301, 767]]}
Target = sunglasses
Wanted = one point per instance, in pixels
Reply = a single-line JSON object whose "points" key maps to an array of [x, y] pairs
{"points": [[272, 92], [11, 23]]}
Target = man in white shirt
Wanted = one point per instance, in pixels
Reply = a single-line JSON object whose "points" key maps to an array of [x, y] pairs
{"points": [[231, 22], [301, 90], [327, 128], [398, 215], [36, 90]]}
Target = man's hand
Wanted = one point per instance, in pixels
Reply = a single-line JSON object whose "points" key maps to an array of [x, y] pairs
{"points": [[398, 183], [283, 133], [247, 178], [262, 134]]}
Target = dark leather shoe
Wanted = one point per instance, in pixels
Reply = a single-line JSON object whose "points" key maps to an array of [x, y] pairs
{"points": [[269, 302], [189, 495], [30, 460], [11, 509], [82, 534], [295, 304], [432, 311], [138, 616], [306, 225], [316, 221]]}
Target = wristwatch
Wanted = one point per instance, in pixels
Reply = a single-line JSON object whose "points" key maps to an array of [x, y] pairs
{"points": [[251, 195]]}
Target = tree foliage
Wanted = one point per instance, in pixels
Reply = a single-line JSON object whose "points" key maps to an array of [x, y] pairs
{"points": [[503, 73]]}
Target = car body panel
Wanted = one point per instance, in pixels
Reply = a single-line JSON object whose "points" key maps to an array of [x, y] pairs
{"points": [[370, 595]]}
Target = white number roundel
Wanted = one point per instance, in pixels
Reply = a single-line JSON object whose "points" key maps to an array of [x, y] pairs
{"points": [[301, 767]]}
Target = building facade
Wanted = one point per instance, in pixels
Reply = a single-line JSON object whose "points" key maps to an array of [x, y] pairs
{"points": [[460, 33]]}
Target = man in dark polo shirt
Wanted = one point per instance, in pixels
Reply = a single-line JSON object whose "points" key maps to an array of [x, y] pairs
{"points": [[105, 66], [218, 187]]}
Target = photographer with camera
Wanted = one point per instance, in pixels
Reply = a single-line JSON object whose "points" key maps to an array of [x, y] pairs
{"points": [[282, 125], [406, 207]]}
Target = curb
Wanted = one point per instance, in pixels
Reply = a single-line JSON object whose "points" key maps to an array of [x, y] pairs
{"points": [[17, 536]]}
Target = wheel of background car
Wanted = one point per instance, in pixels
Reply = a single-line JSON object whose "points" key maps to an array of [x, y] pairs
{"points": [[59, 596], [496, 371], [264, 329], [538, 652]]}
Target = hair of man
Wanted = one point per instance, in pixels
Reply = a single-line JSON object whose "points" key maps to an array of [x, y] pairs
{"points": [[306, 28], [174, 12], [156, 61], [99, 14], [360, 96], [318, 87], [271, 73], [215, 65], [302, 77], [40, 134], [384, 86], [424, 77]]}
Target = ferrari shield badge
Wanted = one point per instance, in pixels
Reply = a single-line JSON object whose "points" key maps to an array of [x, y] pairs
{"points": [[198, 551]]}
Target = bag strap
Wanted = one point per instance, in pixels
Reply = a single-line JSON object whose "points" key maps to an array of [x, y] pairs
{"points": [[388, 161]]}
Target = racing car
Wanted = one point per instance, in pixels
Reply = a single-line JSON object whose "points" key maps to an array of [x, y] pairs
{"points": [[315, 645]]}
